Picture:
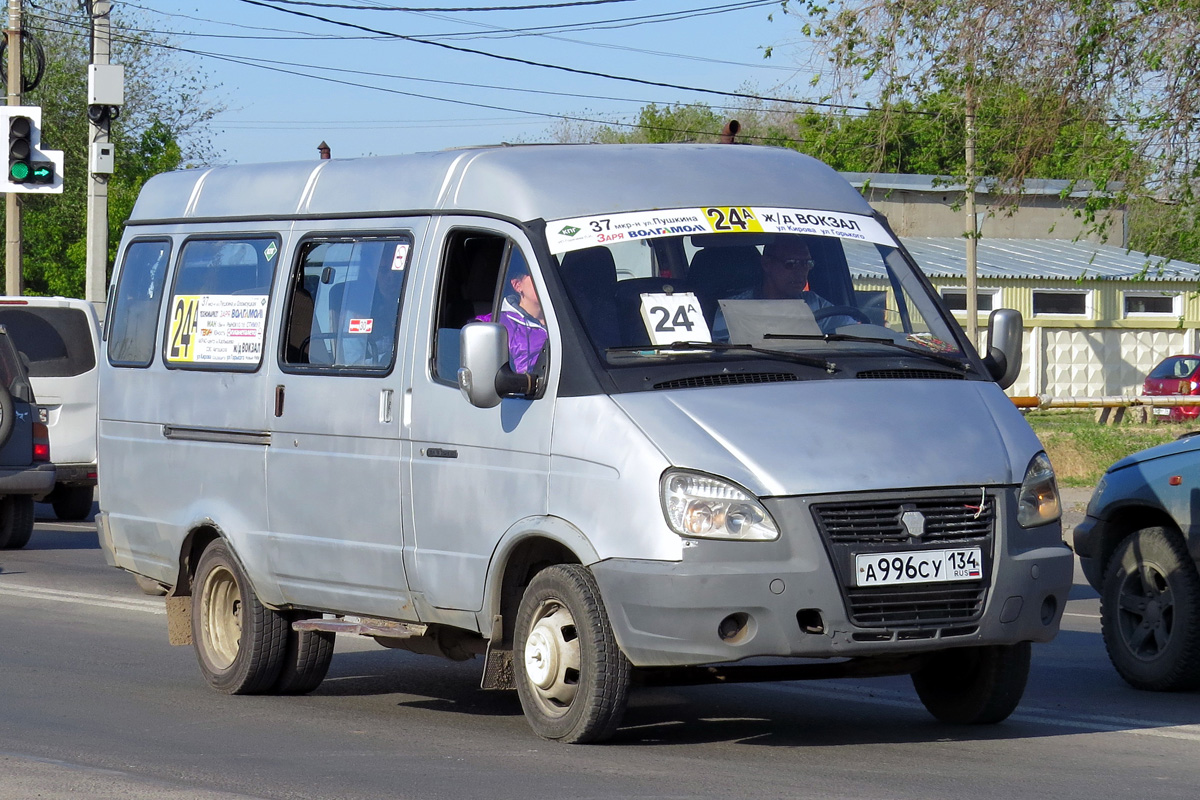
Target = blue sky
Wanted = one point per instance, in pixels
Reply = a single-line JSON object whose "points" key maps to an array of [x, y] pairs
{"points": [[281, 109]]}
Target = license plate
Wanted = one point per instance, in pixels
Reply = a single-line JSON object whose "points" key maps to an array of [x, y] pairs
{"points": [[918, 566], [1162, 412]]}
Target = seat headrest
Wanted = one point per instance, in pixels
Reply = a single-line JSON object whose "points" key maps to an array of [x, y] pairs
{"points": [[589, 271]]}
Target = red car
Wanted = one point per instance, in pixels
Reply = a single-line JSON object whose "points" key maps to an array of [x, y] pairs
{"points": [[1174, 376]]}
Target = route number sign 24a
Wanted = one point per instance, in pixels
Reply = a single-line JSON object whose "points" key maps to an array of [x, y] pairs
{"points": [[674, 318]]}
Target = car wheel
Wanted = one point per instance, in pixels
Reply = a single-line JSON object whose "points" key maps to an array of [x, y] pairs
{"points": [[1150, 612], [572, 678], [973, 685], [239, 642], [72, 503], [305, 662], [7, 415], [16, 521]]}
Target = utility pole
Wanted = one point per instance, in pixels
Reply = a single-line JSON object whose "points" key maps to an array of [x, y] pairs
{"points": [[972, 222], [99, 157], [12, 200]]}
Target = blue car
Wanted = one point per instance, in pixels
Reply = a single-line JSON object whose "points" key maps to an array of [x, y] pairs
{"points": [[1139, 547]]}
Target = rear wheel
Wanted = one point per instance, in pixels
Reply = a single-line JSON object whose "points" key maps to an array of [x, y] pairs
{"points": [[1150, 612], [71, 502], [572, 678], [16, 521], [240, 643], [305, 662], [974, 685]]}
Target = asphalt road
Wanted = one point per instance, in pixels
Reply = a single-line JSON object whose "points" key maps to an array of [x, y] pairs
{"points": [[94, 703]]}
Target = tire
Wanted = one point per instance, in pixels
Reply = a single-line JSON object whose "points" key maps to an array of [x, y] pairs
{"points": [[974, 685], [7, 415], [239, 642], [72, 503], [305, 662], [16, 521], [1150, 612], [572, 678], [150, 586]]}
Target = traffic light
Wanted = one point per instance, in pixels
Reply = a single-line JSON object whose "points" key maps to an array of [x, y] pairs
{"points": [[20, 148], [31, 169]]}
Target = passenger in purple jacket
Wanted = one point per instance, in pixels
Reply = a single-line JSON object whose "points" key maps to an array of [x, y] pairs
{"points": [[521, 315]]}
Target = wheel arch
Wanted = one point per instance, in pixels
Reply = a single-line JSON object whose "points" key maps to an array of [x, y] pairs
{"points": [[527, 547], [1126, 520]]}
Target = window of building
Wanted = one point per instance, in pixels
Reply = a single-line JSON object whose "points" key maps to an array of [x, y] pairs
{"points": [[986, 299], [133, 320], [1153, 304], [1062, 303]]}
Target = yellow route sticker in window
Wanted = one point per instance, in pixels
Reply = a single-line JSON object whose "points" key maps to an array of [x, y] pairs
{"points": [[735, 219]]}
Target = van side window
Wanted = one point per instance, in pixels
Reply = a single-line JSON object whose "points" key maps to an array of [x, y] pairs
{"points": [[344, 303], [218, 310], [131, 330], [471, 266]]}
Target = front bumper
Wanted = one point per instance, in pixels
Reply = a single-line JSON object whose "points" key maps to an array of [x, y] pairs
{"points": [[727, 601]]}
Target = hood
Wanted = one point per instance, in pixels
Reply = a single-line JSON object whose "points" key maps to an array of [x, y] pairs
{"points": [[816, 437], [1188, 442]]}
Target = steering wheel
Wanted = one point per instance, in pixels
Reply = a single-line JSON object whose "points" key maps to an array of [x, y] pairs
{"points": [[847, 311]]}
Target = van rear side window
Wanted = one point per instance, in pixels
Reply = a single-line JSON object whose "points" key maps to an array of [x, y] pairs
{"points": [[344, 304], [218, 311], [138, 294]]}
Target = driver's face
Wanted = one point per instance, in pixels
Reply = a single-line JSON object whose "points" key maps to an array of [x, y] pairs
{"points": [[785, 272]]}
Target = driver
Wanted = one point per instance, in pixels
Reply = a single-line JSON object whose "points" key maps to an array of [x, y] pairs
{"points": [[786, 263]]}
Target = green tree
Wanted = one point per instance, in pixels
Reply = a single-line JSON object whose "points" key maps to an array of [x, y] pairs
{"points": [[162, 126]]}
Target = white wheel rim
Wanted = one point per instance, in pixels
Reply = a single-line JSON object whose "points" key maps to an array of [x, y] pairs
{"points": [[551, 658], [221, 617]]}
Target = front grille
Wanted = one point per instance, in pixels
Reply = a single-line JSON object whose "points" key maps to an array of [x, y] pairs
{"points": [[878, 522], [920, 607], [911, 374], [727, 379], [877, 525]]}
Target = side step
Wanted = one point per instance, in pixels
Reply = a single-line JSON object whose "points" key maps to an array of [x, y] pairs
{"points": [[363, 626]]}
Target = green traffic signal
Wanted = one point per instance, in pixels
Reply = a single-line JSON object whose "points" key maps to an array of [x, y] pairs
{"points": [[20, 147]]}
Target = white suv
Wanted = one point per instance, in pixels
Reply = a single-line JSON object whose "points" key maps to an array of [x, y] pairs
{"points": [[60, 339]]}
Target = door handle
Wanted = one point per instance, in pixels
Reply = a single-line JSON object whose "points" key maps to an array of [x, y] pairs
{"points": [[279, 400], [385, 406]]}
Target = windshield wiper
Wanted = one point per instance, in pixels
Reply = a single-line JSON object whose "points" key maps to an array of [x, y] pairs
{"points": [[846, 337], [797, 358]]}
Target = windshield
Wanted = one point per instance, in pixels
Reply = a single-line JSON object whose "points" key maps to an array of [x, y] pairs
{"points": [[649, 287]]}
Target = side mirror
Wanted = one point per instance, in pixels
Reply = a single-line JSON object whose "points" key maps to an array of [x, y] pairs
{"points": [[1003, 359], [484, 375]]}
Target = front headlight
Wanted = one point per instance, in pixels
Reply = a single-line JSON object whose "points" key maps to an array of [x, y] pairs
{"points": [[1038, 503], [705, 507]]}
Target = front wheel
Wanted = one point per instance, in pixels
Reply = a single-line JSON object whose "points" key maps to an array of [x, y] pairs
{"points": [[240, 643], [572, 678], [1150, 612], [974, 685]]}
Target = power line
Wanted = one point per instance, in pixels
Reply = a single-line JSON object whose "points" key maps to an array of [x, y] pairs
{"points": [[572, 70], [450, 10]]}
